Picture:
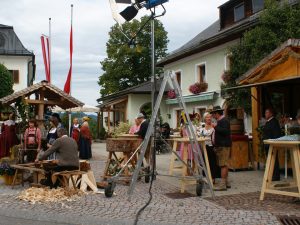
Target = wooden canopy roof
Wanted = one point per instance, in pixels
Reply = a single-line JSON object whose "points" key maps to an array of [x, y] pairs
{"points": [[281, 65], [51, 95]]}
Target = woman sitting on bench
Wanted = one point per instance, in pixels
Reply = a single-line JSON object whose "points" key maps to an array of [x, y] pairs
{"points": [[66, 153]]}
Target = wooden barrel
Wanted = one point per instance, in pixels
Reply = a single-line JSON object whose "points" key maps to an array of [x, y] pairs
{"points": [[237, 126]]}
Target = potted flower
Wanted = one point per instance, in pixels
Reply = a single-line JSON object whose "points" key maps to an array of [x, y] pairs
{"points": [[225, 77], [7, 172], [198, 87], [171, 94]]}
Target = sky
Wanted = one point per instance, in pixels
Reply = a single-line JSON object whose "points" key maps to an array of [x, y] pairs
{"points": [[92, 20]]}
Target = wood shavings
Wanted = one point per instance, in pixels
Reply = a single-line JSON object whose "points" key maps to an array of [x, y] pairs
{"points": [[47, 195]]}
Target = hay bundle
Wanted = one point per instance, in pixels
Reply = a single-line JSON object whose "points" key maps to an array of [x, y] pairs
{"points": [[47, 195]]}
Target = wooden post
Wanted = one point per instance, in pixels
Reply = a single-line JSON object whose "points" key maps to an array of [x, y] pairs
{"points": [[98, 125], [255, 121], [108, 121], [41, 110]]}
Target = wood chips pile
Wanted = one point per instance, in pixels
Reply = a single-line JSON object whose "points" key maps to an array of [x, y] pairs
{"points": [[47, 195]]}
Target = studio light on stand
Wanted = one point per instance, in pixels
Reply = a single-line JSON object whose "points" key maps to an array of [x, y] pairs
{"points": [[131, 11]]}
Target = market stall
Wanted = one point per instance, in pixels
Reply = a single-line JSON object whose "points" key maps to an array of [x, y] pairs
{"points": [[40, 96], [34, 101], [274, 82]]}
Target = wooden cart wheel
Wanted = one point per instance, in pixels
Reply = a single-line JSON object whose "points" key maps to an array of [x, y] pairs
{"points": [[109, 189], [199, 188]]}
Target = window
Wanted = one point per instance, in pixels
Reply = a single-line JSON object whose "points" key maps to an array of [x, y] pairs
{"points": [[239, 12], [201, 73], [228, 62], [15, 76], [178, 77], [257, 5]]}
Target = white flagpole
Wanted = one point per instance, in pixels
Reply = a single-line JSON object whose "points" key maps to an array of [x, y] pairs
{"points": [[72, 45], [50, 53], [70, 113]]}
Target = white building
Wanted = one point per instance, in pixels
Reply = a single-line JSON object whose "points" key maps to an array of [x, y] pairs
{"points": [[16, 58], [206, 57]]}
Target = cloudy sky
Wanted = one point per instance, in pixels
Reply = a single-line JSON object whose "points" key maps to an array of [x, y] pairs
{"points": [[91, 23]]}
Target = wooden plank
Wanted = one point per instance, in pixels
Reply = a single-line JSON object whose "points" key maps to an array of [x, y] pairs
{"points": [[255, 121], [265, 179], [173, 157], [207, 163], [296, 171], [287, 193], [46, 102], [287, 144]]}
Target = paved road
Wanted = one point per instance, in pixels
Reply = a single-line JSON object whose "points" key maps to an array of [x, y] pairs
{"points": [[93, 209]]}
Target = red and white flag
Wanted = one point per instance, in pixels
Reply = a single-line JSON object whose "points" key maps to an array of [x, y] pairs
{"points": [[67, 87], [46, 56]]}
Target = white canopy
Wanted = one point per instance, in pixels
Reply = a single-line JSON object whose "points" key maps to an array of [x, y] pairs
{"points": [[84, 108]]}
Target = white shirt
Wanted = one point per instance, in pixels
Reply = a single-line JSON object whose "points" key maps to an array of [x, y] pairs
{"points": [[207, 133]]}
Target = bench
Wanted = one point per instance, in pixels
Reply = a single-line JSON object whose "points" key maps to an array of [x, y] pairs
{"points": [[64, 177]]}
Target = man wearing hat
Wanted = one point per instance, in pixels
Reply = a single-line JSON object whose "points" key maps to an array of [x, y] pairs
{"points": [[222, 144]]}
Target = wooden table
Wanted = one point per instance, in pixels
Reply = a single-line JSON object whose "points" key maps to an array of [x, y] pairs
{"points": [[184, 168], [29, 167], [270, 187], [124, 145]]}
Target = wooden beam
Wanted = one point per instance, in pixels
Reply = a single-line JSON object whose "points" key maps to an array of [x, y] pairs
{"points": [[32, 101], [255, 121], [41, 109], [108, 121]]}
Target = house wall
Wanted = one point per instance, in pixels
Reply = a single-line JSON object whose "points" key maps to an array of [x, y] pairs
{"points": [[136, 101], [215, 64], [17, 63], [214, 60]]}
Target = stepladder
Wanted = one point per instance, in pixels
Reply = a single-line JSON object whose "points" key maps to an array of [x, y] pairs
{"points": [[199, 168]]}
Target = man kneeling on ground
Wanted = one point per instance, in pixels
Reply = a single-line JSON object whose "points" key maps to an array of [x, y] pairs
{"points": [[66, 153]]}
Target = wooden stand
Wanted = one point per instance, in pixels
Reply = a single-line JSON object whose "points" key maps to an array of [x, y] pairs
{"points": [[184, 168], [126, 146], [239, 155], [268, 186], [20, 168]]}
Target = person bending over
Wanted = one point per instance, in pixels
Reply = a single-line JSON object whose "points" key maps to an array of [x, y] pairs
{"points": [[66, 154]]}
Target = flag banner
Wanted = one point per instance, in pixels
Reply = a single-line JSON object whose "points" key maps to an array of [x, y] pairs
{"points": [[49, 59], [46, 56], [67, 87]]}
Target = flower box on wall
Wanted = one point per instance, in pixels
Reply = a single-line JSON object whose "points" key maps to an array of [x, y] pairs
{"points": [[171, 94], [198, 87]]}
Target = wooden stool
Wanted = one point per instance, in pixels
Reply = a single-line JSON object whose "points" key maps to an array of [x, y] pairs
{"points": [[270, 187], [64, 177]]}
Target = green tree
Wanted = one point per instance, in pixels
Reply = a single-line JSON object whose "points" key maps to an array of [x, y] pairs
{"points": [[126, 66], [277, 23], [6, 82]]}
